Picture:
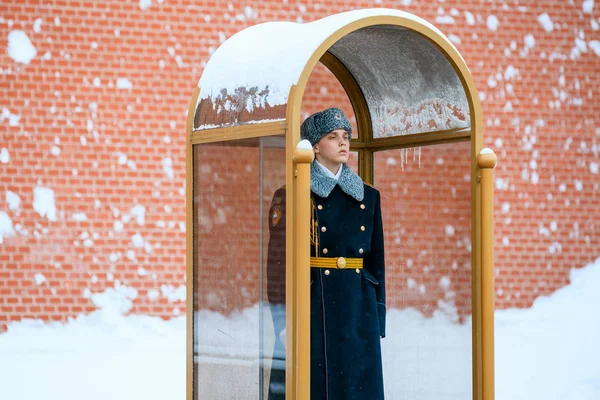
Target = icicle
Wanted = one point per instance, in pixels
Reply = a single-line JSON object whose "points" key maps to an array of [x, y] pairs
{"points": [[402, 159]]}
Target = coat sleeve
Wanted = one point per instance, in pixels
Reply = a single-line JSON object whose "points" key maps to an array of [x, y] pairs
{"points": [[276, 261], [376, 262]]}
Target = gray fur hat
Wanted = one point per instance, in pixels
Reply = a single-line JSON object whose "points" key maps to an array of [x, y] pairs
{"points": [[321, 123]]}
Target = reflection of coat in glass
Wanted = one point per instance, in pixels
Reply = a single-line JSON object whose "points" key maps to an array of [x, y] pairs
{"points": [[276, 291], [347, 305]]}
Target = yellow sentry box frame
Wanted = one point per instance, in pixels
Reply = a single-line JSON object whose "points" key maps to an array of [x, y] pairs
{"points": [[301, 47]]}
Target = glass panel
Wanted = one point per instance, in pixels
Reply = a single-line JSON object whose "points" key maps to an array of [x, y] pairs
{"points": [[234, 338], [426, 207], [409, 85], [353, 161], [323, 90], [244, 105]]}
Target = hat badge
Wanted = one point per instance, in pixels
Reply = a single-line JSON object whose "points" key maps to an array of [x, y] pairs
{"points": [[338, 116]]}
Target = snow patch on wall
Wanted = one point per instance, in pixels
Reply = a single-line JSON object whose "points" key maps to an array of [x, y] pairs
{"points": [[492, 23], [13, 201], [145, 4], [20, 48], [595, 46], [115, 301], [153, 294], [510, 73], [167, 164], [454, 39], [529, 41], [546, 22], [6, 226], [13, 119], [444, 19], [172, 293], [137, 240], [139, 213], [37, 25], [470, 18], [4, 156], [124, 83], [39, 279], [43, 202], [80, 217]]}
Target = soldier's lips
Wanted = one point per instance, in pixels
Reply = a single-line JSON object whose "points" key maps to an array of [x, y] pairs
{"points": [[344, 152]]}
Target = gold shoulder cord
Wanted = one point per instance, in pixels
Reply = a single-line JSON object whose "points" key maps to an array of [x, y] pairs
{"points": [[314, 227]]}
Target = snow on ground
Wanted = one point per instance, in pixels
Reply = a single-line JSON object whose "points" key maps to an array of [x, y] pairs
{"points": [[550, 351], [104, 355]]}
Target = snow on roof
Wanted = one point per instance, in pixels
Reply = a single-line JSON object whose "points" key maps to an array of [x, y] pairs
{"points": [[273, 54]]}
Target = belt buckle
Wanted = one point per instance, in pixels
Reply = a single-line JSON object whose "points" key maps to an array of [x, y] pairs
{"points": [[341, 263]]}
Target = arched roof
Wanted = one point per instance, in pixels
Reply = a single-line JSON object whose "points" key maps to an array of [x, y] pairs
{"points": [[409, 84]]}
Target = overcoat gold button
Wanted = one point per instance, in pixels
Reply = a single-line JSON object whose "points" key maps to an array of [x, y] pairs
{"points": [[361, 251], [325, 251], [320, 207], [357, 271], [327, 272], [362, 228], [323, 229], [362, 206]]}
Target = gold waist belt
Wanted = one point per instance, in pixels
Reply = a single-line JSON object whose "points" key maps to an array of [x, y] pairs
{"points": [[336, 262]]}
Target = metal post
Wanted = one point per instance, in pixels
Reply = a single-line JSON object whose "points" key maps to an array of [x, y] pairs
{"points": [[487, 161], [303, 157]]}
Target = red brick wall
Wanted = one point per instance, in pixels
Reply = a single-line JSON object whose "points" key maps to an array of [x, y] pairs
{"points": [[103, 150]]}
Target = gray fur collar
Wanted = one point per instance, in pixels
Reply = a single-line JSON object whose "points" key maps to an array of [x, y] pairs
{"points": [[349, 182]]}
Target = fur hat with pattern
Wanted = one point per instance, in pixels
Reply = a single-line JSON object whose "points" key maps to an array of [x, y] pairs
{"points": [[321, 123]]}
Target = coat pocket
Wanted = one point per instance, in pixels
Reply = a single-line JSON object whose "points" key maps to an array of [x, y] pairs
{"points": [[370, 277]]}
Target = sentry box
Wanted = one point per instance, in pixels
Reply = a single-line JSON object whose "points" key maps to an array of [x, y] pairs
{"points": [[418, 140]]}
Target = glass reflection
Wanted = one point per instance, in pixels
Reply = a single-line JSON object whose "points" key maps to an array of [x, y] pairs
{"points": [[353, 161], [323, 90], [234, 337], [409, 85], [426, 207]]}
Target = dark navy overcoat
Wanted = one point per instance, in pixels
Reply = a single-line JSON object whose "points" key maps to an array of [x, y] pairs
{"points": [[347, 305]]}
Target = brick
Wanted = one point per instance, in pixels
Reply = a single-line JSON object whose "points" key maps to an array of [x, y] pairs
{"points": [[415, 217]]}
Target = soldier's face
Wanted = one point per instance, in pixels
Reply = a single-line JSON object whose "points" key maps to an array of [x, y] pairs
{"points": [[333, 148]]}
